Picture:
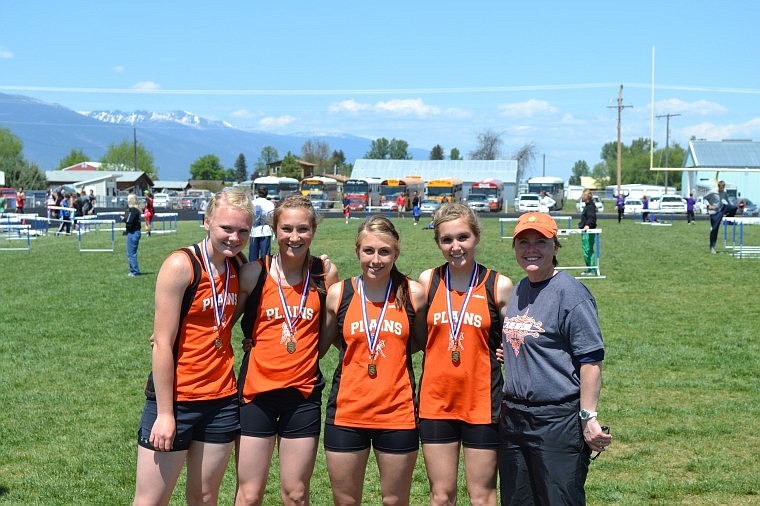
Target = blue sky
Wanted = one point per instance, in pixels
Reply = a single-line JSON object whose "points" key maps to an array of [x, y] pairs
{"points": [[430, 73]]}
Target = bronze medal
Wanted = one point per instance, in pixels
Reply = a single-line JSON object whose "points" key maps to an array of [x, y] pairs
{"points": [[291, 346], [372, 369], [455, 356], [218, 343]]}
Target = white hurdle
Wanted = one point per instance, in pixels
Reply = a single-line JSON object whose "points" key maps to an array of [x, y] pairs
{"points": [[737, 248], [96, 223], [13, 232], [170, 218]]}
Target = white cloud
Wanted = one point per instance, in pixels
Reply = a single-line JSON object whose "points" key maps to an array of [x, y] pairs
{"points": [[528, 109], [119, 69], [696, 108], [5, 54], [397, 107], [146, 85], [242, 114], [272, 122], [710, 131]]}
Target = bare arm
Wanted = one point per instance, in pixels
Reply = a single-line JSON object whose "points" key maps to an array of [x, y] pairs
{"points": [[173, 279], [248, 277], [328, 333], [591, 386]]}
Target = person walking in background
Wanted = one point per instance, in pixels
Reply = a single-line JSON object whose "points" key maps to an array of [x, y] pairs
{"points": [[460, 386], [718, 206], [620, 204], [148, 211], [416, 202], [376, 320], [261, 236], [690, 218], [280, 381], [553, 353], [588, 222], [545, 202], [65, 216], [92, 202], [132, 220], [401, 203], [191, 415], [347, 208], [50, 201]]}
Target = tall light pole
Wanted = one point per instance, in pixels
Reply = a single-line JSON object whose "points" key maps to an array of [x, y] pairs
{"points": [[620, 108], [667, 144]]}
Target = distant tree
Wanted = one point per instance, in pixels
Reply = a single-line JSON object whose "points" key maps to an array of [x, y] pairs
{"points": [[437, 153], [316, 152], [268, 155], [379, 149], [488, 146], [398, 150], [76, 156], [290, 166], [18, 172], [121, 157], [580, 169], [524, 156], [635, 160], [454, 154], [208, 167], [338, 161], [241, 168]]}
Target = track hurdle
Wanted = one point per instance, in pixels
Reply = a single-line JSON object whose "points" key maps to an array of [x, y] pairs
{"points": [[93, 227], [166, 218], [112, 215], [564, 234], [737, 248], [15, 232]]}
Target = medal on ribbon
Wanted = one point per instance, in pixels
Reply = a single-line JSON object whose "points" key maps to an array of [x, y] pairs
{"points": [[291, 320], [219, 307], [375, 346], [456, 336]]}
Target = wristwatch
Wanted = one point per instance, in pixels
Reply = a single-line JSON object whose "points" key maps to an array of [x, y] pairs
{"points": [[587, 415]]}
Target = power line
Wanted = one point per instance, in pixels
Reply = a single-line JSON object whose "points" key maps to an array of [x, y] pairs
{"points": [[667, 142]]}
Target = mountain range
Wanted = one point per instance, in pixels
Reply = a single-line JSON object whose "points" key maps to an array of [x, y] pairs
{"points": [[175, 139]]}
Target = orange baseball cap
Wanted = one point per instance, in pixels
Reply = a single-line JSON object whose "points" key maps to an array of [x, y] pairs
{"points": [[542, 223]]}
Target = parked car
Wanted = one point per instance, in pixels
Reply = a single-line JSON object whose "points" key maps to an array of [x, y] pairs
{"points": [[670, 203], [749, 208], [479, 203], [527, 202], [165, 201], [597, 201], [700, 207], [429, 206], [188, 202], [9, 194], [633, 206]]}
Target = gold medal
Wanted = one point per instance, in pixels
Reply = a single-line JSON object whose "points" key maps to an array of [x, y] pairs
{"points": [[455, 356], [372, 369], [218, 343], [291, 346]]}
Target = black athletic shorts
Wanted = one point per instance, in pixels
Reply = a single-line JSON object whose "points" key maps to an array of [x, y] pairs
{"points": [[351, 439], [483, 436], [215, 421], [284, 412]]}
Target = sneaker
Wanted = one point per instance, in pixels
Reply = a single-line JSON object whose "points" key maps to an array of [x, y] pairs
{"points": [[712, 250], [132, 275]]}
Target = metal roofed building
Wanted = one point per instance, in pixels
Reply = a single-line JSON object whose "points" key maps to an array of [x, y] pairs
{"points": [[737, 162], [469, 171]]}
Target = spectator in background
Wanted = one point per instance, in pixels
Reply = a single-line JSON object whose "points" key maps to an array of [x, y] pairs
{"points": [[20, 200], [65, 226], [620, 204], [416, 202], [588, 222], [690, 218], [545, 202], [132, 220], [261, 235], [401, 203], [346, 208], [644, 209], [148, 211], [50, 201], [92, 202]]}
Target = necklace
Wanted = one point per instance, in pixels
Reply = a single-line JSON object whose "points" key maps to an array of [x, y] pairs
{"points": [[455, 319], [291, 320], [218, 307], [375, 347]]}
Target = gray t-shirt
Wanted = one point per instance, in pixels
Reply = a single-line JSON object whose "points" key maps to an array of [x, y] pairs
{"points": [[547, 326]]}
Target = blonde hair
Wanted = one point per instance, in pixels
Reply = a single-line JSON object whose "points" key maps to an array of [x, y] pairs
{"points": [[587, 195], [233, 198], [132, 200], [455, 211], [296, 201]]}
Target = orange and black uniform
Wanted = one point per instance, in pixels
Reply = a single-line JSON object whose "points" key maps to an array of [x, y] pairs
{"points": [[386, 399], [273, 378]]}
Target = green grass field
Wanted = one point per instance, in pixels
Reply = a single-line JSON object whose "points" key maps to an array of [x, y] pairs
{"points": [[681, 390]]}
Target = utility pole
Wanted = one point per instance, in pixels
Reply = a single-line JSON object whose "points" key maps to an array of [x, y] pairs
{"points": [[667, 142], [134, 143], [619, 108]]}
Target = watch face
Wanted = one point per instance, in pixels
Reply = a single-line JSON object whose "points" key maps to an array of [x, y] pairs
{"points": [[585, 415]]}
